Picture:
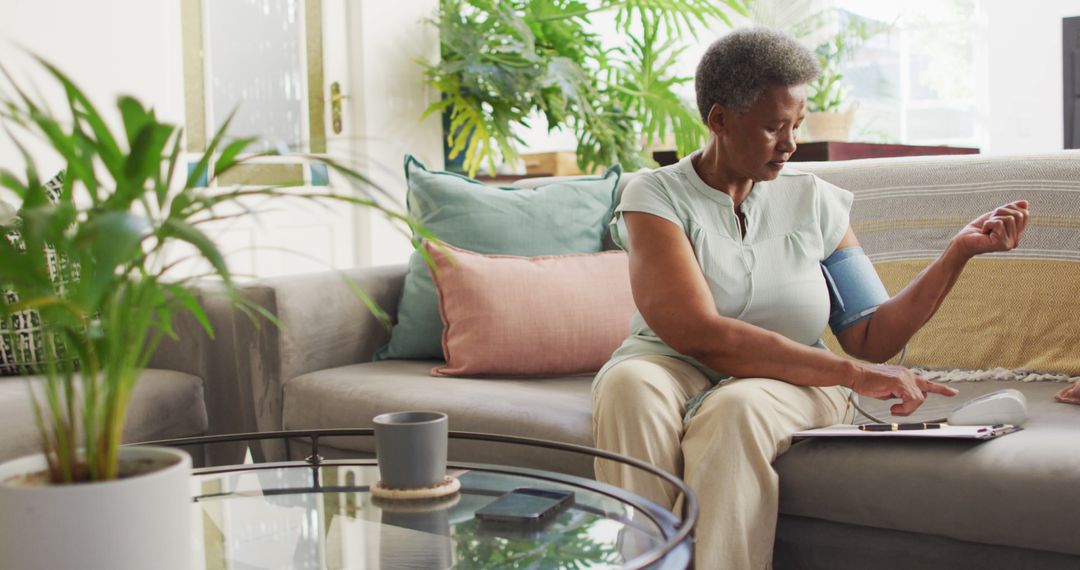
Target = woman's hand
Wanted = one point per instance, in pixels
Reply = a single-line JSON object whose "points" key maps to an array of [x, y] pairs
{"points": [[882, 381], [999, 230]]}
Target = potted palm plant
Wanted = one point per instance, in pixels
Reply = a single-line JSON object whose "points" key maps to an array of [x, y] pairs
{"points": [[503, 61], [830, 114], [90, 262]]}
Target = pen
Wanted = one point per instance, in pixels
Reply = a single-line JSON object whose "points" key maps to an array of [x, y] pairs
{"points": [[900, 427]]}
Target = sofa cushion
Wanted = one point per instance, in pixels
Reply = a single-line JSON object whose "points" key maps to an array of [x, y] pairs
{"points": [[1018, 490], [488, 219], [164, 404], [24, 343], [814, 544], [545, 316], [1016, 309], [556, 409]]}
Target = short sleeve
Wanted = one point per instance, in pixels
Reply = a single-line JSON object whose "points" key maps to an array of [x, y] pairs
{"points": [[834, 214], [642, 194]]}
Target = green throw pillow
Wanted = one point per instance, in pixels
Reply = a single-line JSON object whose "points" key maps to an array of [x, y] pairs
{"points": [[562, 217]]}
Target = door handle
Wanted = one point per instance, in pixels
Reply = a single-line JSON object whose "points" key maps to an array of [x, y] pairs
{"points": [[335, 107]]}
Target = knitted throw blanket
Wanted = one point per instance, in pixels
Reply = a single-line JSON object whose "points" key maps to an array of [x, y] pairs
{"points": [[1001, 374], [1013, 309], [1068, 394]]}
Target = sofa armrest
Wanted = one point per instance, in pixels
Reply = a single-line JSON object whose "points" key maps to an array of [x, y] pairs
{"points": [[214, 360], [186, 353], [324, 324]]}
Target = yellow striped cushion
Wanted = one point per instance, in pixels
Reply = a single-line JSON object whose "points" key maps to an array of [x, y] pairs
{"points": [[1019, 309]]}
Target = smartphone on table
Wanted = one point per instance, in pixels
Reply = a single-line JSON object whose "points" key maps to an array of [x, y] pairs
{"points": [[526, 505]]}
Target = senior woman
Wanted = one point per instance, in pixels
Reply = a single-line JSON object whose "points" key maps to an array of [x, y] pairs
{"points": [[726, 254]]}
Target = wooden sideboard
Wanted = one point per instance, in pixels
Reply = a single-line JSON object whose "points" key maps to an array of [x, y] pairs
{"points": [[827, 151], [834, 150], [807, 152]]}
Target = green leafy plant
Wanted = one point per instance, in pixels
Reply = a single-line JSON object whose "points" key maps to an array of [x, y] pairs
{"points": [[829, 93], [566, 544], [502, 60], [125, 200]]}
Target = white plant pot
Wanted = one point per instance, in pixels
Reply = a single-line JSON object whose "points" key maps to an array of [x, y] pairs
{"points": [[134, 523], [830, 126]]}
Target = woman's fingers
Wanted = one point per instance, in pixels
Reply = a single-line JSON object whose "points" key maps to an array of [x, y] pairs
{"points": [[1021, 217], [935, 388], [905, 408], [1017, 210], [1013, 208], [896, 382], [1006, 230], [1010, 209], [1013, 218], [1023, 221], [995, 227], [1010, 231], [1017, 214], [912, 397], [914, 394], [1007, 212]]}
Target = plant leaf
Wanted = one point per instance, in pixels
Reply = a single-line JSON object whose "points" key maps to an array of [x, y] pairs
{"points": [[184, 231], [228, 156], [191, 303]]}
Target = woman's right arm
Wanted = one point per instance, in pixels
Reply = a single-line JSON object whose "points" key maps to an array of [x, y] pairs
{"points": [[674, 299]]}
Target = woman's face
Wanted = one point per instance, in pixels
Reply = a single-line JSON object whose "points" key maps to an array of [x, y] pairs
{"points": [[759, 142]]}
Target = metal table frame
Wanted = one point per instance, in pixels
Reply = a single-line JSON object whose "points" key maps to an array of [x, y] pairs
{"points": [[678, 533]]}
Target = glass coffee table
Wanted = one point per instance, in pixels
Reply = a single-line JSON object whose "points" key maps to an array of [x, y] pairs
{"points": [[320, 514]]}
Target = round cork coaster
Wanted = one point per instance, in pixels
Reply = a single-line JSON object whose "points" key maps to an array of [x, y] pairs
{"points": [[417, 506], [449, 486]]}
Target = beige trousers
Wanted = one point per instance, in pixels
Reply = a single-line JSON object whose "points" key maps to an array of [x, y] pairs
{"points": [[724, 454]]}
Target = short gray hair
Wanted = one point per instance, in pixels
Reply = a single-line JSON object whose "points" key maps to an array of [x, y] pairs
{"points": [[739, 66]]}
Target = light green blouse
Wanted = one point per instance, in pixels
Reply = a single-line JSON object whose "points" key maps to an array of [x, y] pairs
{"points": [[770, 278]]}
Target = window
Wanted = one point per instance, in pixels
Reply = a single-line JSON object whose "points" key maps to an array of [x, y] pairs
{"points": [[915, 83]]}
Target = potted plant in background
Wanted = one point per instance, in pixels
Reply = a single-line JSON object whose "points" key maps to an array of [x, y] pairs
{"points": [[90, 263], [829, 115], [502, 61]]}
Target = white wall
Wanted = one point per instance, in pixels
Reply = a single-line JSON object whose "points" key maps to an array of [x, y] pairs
{"points": [[388, 38], [1024, 74], [108, 47]]}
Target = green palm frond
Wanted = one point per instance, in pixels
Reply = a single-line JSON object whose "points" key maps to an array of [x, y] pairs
{"points": [[679, 16], [92, 264], [647, 85]]}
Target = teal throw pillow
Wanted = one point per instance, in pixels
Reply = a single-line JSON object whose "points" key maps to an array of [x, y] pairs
{"points": [[562, 217]]}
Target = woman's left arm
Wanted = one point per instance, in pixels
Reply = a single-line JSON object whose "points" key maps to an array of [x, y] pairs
{"points": [[894, 323]]}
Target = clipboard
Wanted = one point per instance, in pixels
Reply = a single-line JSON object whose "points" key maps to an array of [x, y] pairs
{"points": [[980, 433]]}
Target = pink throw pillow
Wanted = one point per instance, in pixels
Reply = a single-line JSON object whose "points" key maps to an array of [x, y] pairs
{"points": [[558, 315]]}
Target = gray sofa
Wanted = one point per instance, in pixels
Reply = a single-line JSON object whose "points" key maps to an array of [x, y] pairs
{"points": [[188, 389], [1008, 503]]}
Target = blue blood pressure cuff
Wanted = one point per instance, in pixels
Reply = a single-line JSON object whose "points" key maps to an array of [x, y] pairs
{"points": [[855, 290]]}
